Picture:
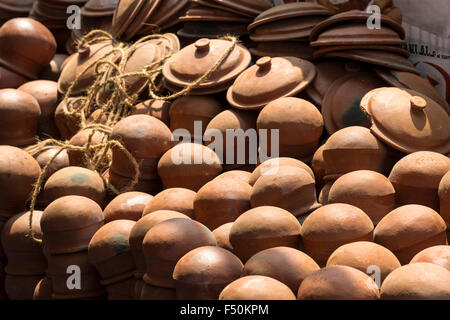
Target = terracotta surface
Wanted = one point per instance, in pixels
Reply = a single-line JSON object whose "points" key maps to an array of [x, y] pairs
{"points": [[155, 108], [176, 199], [81, 139], [444, 197], [240, 175], [222, 235], [21, 287], [439, 255], [61, 160], [129, 205], [325, 193], [43, 290], [157, 293], [67, 125]]}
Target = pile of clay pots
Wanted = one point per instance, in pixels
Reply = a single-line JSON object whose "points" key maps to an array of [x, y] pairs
{"points": [[10, 9]]}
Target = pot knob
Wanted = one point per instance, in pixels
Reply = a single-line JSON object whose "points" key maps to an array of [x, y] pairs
{"points": [[84, 52], [418, 103], [264, 63], [202, 44]]}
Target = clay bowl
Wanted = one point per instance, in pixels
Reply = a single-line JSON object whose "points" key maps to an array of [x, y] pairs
{"points": [[43, 290], [69, 223], [368, 190], [416, 178], [256, 288], [188, 165], [298, 49], [44, 156], [444, 197], [21, 287], [364, 255], [67, 125], [203, 273], [128, 206], [75, 181], [318, 166], [240, 175], [18, 173], [263, 228], [122, 290], [409, 229], [19, 117], [325, 193], [222, 235], [10, 79], [156, 293], [417, 281], [123, 184], [155, 108], [175, 199], [53, 69], [221, 201], [287, 265], [332, 226], [84, 137], [166, 243], [338, 283]]}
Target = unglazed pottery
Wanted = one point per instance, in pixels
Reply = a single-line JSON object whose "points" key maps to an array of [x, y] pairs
{"points": [[176, 199], [439, 255], [128, 206]]}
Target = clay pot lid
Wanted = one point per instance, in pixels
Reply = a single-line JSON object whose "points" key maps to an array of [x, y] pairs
{"points": [[124, 14], [268, 80], [298, 49], [14, 233], [176, 199], [199, 13], [213, 4], [251, 7], [168, 44], [147, 9], [168, 12], [195, 60], [99, 8], [128, 205], [424, 124], [439, 255], [322, 52]]}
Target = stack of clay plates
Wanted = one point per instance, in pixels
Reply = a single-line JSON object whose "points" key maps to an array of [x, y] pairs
{"points": [[284, 30], [10, 9], [98, 14]]}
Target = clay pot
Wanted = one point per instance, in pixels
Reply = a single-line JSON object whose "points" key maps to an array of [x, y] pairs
{"points": [[25, 257], [53, 69], [109, 251], [69, 223], [129, 206], [409, 229], [439, 255], [124, 14], [60, 272], [75, 181], [240, 175], [122, 290], [156, 108], [444, 197], [332, 226], [166, 243], [263, 228], [370, 191], [203, 273], [325, 193], [256, 288], [81, 139], [286, 187], [416, 178], [10, 79], [123, 184], [222, 235], [19, 116], [21, 287], [351, 149], [195, 30], [68, 125], [298, 49], [363, 255], [146, 138], [18, 173], [176, 199], [43, 290], [338, 283], [188, 165], [221, 201], [44, 156], [156, 293], [417, 281], [318, 166]]}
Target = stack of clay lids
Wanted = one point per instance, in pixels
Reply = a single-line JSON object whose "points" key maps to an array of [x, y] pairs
{"points": [[10, 9], [285, 29], [98, 14], [249, 8]]}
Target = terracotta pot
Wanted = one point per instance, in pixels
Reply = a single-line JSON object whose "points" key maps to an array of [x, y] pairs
{"points": [[146, 138], [325, 193], [109, 251], [25, 257], [10, 79], [368, 190], [416, 178], [44, 156], [203, 273], [21, 287], [156, 108], [53, 69], [263, 228], [175, 199], [122, 184], [276, 163], [75, 181], [332, 226], [122, 290], [286, 187], [129, 205], [19, 116], [188, 165], [68, 125], [69, 223], [351, 149], [18, 173], [439, 255], [222, 235], [81, 139], [417, 281], [256, 288], [363, 255], [43, 290], [409, 229], [156, 293], [166, 243], [240, 175], [60, 271], [444, 197], [205, 13], [338, 283]]}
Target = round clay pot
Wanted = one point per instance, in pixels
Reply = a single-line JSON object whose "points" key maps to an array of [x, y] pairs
{"points": [[156, 108], [338, 283], [222, 235], [68, 125], [417, 281], [263, 228], [325, 193], [166, 243], [286, 187], [256, 288], [368, 190], [156, 293], [69, 223], [53, 69], [75, 181], [122, 290], [188, 165], [21, 287], [364, 256], [318, 166], [221, 201], [203, 273], [44, 156], [287, 265], [240, 175], [19, 117], [176, 199], [416, 178], [332, 226], [109, 251], [444, 197], [439, 255], [146, 138], [409, 229], [10, 79], [82, 138], [122, 184], [25, 256], [300, 126], [129, 206], [18, 173], [351, 149], [43, 290]]}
